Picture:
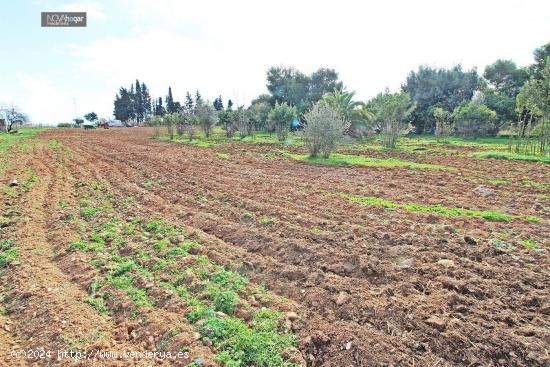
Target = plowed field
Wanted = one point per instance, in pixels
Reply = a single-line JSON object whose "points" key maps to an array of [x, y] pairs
{"points": [[358, 283]]}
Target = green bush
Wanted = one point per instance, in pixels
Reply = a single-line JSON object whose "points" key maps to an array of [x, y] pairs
{"points": [[280, 117]]}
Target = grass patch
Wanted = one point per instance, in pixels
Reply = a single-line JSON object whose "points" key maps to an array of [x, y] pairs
{"points": [[225, 156], [89, 213], [241, 345], [530, 244], [345, 159], [126, 283], [512, 156], [491, 215], [8, 139], [91, 246], [8, 253]]}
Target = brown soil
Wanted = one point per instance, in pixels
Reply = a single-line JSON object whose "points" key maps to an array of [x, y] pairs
{"points": [[372, 287]]}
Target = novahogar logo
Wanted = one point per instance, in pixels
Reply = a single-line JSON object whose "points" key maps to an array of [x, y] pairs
{"points": [[64, 19]]}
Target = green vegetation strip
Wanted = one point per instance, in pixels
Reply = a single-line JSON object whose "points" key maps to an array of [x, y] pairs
{"points": [[512, 156], [9, 139], [490, 215], [8, 253], [344, 159], [133, 253]]}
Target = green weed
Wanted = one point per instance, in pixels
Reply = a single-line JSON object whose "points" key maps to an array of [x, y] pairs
{"points": [[530, 244], [345, 159], [490, 215], [8, 253], [242, 345], [512, 156]]}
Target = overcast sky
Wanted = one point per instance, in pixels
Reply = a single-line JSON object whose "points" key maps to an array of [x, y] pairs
{"points": [[225, 47]]}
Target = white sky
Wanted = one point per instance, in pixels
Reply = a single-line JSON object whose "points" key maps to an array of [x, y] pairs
{"points": [[225, 47]]}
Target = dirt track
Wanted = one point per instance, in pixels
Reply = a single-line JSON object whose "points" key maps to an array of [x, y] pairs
{"points": [[368, 283]]}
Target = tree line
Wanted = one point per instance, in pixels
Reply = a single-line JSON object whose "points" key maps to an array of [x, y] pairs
{"points": [[440, 101]]}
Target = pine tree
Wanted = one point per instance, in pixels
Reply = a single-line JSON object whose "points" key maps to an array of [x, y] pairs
{"points": [[124, 104], [229, 105], [198, 98], [189, 104], [159, 110], [218, 103]]}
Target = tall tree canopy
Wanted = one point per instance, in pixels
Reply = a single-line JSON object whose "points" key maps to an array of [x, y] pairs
{"points": [[506, 77], [133, 103], [298, 89], [540, 54], [430, 88]]}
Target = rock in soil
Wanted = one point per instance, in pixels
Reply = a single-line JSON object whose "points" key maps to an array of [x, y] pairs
{"points": [[484, 191]]}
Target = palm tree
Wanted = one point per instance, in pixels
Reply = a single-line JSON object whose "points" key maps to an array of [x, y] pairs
{"points": [[355, 112]]}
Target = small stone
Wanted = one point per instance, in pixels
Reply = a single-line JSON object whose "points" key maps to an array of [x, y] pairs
{"points": [[196, 336], [14, 182], [342, 298], [436, 322], [406, 263], [220, 314], [348, 345], [484, 191], [292, 316], [446, 262]]}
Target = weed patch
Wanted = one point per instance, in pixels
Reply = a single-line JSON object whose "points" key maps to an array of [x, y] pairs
{"points": [[512, 156], [242, 345], [8, 253], [345, 159], [491, 215]]}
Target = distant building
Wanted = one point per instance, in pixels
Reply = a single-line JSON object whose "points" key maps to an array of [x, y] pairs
{"points": [[115, 123], [3, 120]]}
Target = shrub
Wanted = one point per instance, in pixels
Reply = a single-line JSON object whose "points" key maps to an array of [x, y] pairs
{"points": [[474, 119], [280, 117], [64, 124], [324, 129]]}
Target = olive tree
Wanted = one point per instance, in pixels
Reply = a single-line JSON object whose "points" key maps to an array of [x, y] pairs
{"points": [[391, 111], [243, 123], [443, 123], [10, 117], [207, 117], [170, 121], [280, 117], [325, 128], [226, 119], [258, 113], [532, 132]]}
